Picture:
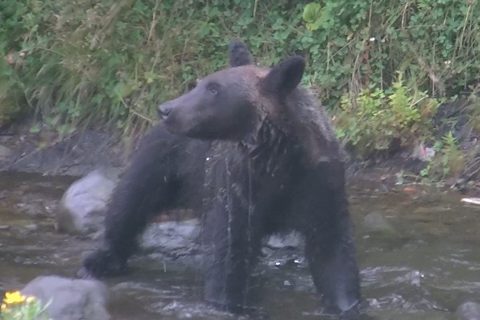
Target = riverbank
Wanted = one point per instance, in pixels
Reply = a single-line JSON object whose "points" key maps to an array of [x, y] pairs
{"points": [[83, 151]]}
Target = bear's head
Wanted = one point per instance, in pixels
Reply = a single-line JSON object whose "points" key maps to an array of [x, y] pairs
{"points": [[229, 104]]}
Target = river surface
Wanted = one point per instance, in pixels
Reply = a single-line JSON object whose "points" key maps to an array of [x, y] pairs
{"points": [[422, 265]]}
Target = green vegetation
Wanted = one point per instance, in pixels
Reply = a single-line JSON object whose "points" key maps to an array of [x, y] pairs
{"points": [[375, 120], [380, 66], [474, 109], [449, 160]]}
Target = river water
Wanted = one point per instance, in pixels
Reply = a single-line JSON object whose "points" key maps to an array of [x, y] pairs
{"points": [[419, 254]]}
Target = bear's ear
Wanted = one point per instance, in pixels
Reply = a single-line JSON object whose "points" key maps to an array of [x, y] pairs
{"points": [[238, 54], [285, 76]]}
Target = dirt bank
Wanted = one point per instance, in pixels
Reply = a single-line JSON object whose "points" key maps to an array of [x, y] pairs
{"points": [[48, 153]]}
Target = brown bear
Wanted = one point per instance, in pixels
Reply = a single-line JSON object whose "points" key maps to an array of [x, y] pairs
{"points": [[257, 154]]}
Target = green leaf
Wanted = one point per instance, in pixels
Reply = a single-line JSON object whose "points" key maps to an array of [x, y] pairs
{"points": [[312, 15], [311, 12]]}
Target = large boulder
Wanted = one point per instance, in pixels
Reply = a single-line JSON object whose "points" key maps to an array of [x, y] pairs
{"points": [[70, 299], [468, 311], [82, 208]]}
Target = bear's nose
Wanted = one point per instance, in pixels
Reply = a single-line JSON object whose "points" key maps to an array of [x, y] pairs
{"points": [[164, 110]]}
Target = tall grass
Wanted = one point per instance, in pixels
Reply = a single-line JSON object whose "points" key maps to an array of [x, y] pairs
{"points": [[110, 62]]}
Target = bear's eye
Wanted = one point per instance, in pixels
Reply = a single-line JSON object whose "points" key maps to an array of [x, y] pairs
{"points": [[213, 88], [192, 84]]}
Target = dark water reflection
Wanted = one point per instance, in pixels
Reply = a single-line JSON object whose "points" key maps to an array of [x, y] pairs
{"points": [[423, 267]]}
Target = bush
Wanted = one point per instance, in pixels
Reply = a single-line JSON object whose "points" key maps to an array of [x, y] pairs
{"points": [[376, 121]]}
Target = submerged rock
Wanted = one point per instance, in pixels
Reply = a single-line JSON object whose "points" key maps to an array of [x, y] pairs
{"points": [[288, 240], [70, 299], [468, 311], [175, 238], [180, 241], [376, 222], [83, 205]]}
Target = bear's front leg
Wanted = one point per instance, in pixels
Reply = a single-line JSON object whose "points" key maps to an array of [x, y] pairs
{"points": [[232, 246], [144, 189]]}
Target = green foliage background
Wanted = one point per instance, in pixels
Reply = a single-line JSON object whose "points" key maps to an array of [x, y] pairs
{"points": [[110, 62]]}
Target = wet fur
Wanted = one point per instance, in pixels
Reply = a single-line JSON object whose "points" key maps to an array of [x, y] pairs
{"points": [[286, 173]]}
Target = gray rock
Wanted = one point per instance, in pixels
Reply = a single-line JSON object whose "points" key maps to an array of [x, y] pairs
{"points": [[182, 235], [376, 222], [83, 205], [70, 299], [468, 311], [174, 237], [288, 240]]}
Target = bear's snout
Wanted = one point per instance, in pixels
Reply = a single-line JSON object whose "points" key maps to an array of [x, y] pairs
{"points": [[164, 110]]}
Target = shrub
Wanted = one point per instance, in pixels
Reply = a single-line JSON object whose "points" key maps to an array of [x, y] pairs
{"points": [[376, 121]]}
